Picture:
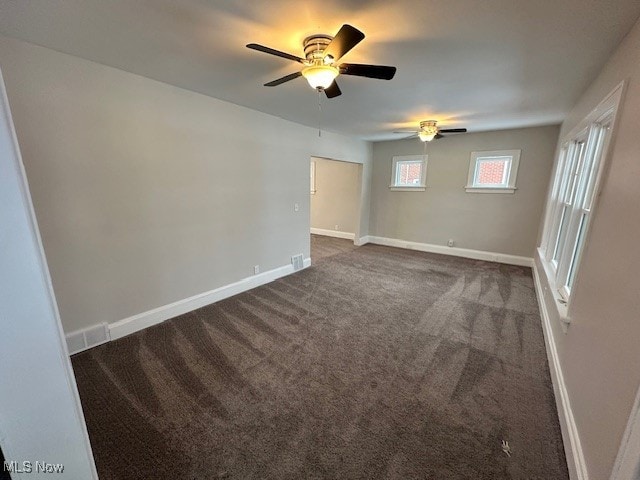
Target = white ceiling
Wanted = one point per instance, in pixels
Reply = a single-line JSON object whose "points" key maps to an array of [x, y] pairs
{"points": [[480, 64]]}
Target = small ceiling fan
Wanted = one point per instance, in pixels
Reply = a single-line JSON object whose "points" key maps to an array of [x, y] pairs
{"points": [[429, 131], [322, 53]]}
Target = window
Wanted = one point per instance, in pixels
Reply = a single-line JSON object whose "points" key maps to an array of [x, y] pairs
{"points": [[408, 173], [572, 197], [493, 172]]}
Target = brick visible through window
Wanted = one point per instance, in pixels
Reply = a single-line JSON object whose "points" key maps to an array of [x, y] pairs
{"points": [[491, 172], [409, 173]]}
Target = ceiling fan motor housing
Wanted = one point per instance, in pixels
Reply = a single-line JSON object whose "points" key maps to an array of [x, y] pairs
{"points": [[427, 125], [314, 47]]}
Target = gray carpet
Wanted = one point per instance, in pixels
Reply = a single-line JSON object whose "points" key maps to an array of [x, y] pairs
{"points": [[374, 363]]}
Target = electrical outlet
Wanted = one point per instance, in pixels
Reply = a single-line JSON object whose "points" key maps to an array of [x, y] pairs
{"points": [[296, 207], [336, 228], [450, 242], [256, 269]]}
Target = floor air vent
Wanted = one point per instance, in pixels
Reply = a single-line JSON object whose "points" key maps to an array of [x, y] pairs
{"points": [[298, 262], [86, 338]]}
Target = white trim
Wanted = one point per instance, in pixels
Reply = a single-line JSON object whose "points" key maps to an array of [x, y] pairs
{"points": [[454, 251], [511, 174], [559, 301], [627, 464], [143, 320], [570, 435], [490, 190], [423, 159], [406, 188], [362, 240], [333, 233], [312, 177]]}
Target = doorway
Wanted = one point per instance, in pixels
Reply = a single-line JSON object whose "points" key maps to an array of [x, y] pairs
{"points": [[335, 204]]}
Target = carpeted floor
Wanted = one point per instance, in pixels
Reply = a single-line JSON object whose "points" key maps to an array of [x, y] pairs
{"points": [[375, 362]]}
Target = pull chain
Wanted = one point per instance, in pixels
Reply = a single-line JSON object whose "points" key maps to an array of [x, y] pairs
{"points": [[319, 111]]}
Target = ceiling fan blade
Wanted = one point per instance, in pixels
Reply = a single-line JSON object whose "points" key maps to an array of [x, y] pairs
{"points": [[452, 130], [277, 53], [346, 38], [281, 80], [438, 136], [333, 90], [381, 72], [407, 131]]}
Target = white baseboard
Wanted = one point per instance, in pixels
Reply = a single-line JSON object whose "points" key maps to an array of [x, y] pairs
{"points": [[363, 240], [90, 337], [157, 315], [570, 436], [94, 335], [455, 251], [333, 233], [80, 340]]}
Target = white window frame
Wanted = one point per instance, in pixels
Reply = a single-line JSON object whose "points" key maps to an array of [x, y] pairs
{"points": [[509, 186], [409, 159], [582, 157], [312, 177]]}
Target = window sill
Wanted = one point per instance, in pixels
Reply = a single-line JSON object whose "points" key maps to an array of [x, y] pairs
{"points": [[470, 189], [560, 302], [407, 189]]}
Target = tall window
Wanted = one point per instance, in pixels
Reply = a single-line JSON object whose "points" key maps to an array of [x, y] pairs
{"points": [[409, 172], [571, 202]]}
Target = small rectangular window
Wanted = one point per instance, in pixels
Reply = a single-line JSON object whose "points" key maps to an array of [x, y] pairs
{"points": [[408, 173], [493, 172]]}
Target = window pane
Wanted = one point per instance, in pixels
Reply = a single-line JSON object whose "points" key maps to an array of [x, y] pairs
{"points": [[492, 171], [408, 173], [591, 181], [576, 250], [562, 230], [576, 169]]}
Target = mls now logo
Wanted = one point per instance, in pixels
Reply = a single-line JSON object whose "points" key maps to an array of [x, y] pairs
{"points": [[33, 467]]}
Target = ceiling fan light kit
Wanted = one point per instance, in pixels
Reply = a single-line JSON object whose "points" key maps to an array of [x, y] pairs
{"points": [[429, 131], [320, 75], [322, 53]]}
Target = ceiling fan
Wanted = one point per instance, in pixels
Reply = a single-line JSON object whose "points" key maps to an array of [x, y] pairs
{"points": [[429, 131], [322, 53]]}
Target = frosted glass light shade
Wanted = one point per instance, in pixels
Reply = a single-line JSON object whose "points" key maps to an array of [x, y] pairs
{"points": [[320, 76], [426, 136]]}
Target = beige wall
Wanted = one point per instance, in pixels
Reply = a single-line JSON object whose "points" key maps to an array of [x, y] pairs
{"points": [[147, 194], [336, 203], [501, 223], [600, 353]]}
